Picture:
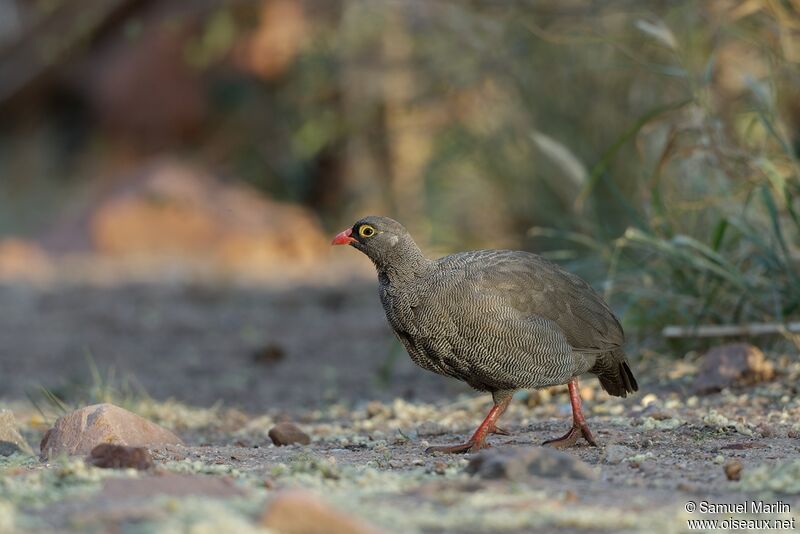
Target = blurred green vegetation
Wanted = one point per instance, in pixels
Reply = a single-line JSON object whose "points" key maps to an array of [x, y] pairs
{"points": [[651, 145]]}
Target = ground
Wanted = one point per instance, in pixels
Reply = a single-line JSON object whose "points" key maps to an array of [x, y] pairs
{"points": [[325, 359]]}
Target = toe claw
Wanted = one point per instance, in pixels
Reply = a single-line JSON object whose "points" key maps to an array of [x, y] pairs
{"points": [[462, 448], [587, 435], [571, 438]]}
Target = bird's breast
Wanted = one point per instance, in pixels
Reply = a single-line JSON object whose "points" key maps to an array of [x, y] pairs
{"points": [[424, 328]]}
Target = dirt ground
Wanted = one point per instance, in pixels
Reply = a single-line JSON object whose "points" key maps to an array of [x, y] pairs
{"points": [[219, 365]]}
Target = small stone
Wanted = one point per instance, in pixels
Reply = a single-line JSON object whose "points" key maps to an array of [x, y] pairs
{"points": [[269, 354], [793, 434], [518, 463], [616, 454], [733, 469], [78, 432], [732, 364], [110, 456], [11, 440], [301, 512], [288, 434]]}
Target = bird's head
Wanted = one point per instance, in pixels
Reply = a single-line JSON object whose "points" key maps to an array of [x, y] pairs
{"points": [[385, 241]]}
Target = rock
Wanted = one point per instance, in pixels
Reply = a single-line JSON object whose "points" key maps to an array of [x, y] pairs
{"points": [[170, 484], [174, 211], [288, 434], [733, 469], [616, 454], [519, 463], [269, 354], [78, 432], [22, 259], [120, 457], [11, 440], [732, 364], [301, 512]]}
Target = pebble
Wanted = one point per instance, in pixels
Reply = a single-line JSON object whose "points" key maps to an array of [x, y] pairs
{"points": [[288, 434], [733, 469]]}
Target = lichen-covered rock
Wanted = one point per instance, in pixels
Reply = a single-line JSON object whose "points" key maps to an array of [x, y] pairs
{"points": [[301, 512], [288, 434], [78, 432], [110, 456], [519, 463], [732, 364], [11, 440]]}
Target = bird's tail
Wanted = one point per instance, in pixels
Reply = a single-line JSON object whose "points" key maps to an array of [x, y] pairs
{"points": [[615, 374]]}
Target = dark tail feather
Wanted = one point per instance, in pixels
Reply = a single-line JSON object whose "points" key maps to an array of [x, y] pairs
{"points": [[618, 379]]}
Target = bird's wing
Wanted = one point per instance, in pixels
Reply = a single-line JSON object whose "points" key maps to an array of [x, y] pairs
{"points": [[536, 287], [507, 350], [474, 335]]}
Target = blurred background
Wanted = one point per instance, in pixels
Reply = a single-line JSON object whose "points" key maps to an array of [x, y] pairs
{"points": [[171, 174]]}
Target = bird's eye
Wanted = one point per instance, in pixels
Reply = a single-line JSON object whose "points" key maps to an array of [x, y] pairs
{"points": [[366, 231]]}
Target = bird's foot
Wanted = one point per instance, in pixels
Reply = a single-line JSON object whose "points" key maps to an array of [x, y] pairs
{"points": [[463, 448], [571, 437]]}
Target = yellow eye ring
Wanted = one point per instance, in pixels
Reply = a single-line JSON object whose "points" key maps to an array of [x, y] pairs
{"points": [[366, 231]]}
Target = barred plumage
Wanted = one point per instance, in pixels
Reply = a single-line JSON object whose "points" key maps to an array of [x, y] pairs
{"points": [[499, 320]]}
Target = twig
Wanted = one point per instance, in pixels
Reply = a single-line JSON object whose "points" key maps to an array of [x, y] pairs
{"points": [[725, 330]]}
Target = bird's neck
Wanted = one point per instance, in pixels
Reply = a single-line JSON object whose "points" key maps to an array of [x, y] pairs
{"points": [[406, 266]]}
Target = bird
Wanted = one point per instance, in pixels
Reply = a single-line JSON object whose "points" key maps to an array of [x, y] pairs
{"points": [[499, 320]]}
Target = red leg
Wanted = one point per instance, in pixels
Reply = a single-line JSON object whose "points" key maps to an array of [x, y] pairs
{"points": [[478, 439], [579, 425]]}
